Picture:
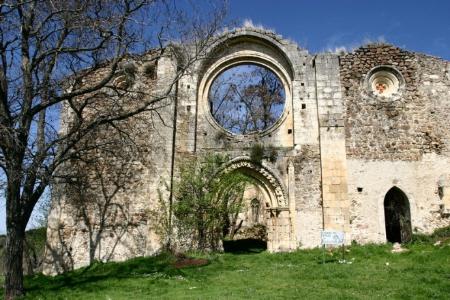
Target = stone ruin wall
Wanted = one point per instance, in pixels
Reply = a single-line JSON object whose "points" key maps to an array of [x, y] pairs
{"points": [[126, 232], [339, 149], [401, 143], [296, 134]]}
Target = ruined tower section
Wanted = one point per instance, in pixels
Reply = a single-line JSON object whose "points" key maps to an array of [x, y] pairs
{"points": [[397, 139], [101, 206], [291, 177]]}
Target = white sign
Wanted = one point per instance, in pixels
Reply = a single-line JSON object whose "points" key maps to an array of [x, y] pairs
{"points": [[332, 237]]}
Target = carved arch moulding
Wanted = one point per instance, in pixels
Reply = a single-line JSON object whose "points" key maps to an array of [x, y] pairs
{"points": [[265, 177]]}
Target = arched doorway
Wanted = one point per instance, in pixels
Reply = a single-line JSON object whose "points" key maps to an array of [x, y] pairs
{"points": [[266, 204], [247, 228], [397, 216]]}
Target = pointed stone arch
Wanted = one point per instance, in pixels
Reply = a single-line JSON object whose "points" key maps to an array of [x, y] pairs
{"points": [[267, 179], [397, 216], [276, 208]]}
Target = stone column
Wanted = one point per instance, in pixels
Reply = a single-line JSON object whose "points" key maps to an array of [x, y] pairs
{"points": [[331, 113], [278, 230], [292, 212]]}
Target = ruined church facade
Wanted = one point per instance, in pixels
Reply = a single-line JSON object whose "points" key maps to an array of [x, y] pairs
{"points": [[362, 146]]}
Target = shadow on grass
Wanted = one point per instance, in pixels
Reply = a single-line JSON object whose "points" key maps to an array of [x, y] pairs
{"points": [[245, 246], [96, 275], [138, 267], [327, 260]]}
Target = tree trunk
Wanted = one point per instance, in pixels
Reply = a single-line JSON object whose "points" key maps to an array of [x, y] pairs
{"points": [[14, 259]]}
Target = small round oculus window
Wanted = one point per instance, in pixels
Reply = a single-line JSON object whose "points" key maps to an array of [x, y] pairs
{"points": [[384, 82], [246, 98]]}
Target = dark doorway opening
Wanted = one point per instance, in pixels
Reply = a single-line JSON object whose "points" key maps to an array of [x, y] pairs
{"points": [[244, 246], [397, 216]]}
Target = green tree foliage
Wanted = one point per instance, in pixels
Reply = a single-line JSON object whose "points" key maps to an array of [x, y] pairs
{"points": [[206, 199], [259, 152]]}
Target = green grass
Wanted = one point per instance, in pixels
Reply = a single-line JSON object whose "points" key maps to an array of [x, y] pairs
{"points": [[375, 273], [34, 247]]}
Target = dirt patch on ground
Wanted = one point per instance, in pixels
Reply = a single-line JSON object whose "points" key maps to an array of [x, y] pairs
{"points": [[186, 262]]}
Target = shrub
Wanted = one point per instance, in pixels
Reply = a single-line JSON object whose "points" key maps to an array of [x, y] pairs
{"points": [[257, 153], [205, 200]]}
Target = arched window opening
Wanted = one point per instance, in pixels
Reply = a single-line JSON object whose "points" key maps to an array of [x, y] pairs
{"points": [[255, 210]]}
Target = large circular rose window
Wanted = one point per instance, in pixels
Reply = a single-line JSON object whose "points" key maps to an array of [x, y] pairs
{"points": [[246, 98]]}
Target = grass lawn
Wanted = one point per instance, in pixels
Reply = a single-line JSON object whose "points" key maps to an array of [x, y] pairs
{"points": [[374, 272]]}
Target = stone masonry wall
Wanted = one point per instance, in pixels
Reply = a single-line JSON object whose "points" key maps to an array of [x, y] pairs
{"points": [[308, 200], [434, 88], [116, 226], [375, 129], [339, 149], [295, 138], [400, 142], [331, 112]]}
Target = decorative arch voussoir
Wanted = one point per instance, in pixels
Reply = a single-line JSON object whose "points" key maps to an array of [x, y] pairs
{"points": [[264, 175]]}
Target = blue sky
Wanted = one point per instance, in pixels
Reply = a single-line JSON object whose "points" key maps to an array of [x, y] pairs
{"points": [[321, 25]]}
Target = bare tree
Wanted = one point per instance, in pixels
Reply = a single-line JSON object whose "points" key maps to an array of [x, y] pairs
{"points": [[58, 54], [247, 98]]}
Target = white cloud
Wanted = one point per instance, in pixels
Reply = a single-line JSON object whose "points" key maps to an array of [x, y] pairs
{"points": [[248, 23], [339, 43]]}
